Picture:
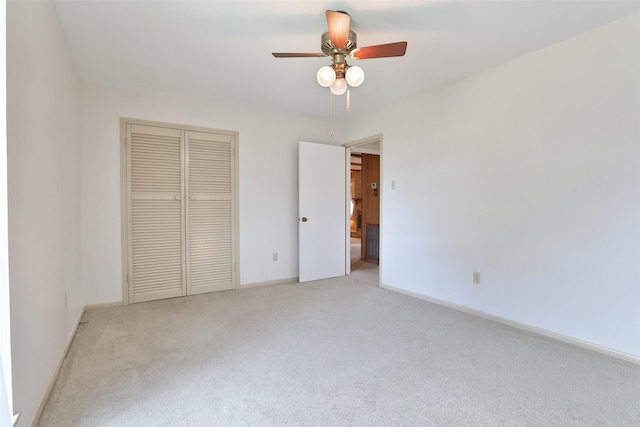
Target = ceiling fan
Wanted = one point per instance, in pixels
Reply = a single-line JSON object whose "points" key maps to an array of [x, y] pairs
{"points": [[339, 43]]}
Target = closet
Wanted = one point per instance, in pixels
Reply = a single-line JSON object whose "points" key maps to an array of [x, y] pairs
{"points": [[179, 203]]}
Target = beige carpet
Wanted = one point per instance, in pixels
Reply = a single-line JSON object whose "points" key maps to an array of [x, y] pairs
{"points": [[336, 352]]}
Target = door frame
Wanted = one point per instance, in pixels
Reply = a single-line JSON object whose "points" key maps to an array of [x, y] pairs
{"points": [[348, 146]]}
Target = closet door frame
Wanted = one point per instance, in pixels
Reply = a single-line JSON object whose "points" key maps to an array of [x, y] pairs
{"points": [[124, 196]]}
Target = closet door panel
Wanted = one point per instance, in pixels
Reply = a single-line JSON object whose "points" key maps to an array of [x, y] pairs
{"points": [[156, 244], [210, 243]]}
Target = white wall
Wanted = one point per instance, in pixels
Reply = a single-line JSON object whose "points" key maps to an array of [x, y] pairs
{"points": [[527, 173], [267, 180], [6, 392], [43, 106]]}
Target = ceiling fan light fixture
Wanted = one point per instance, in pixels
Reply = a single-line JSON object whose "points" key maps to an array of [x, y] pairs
{"points": [[326, 76], [354, 76], [338, 87]]}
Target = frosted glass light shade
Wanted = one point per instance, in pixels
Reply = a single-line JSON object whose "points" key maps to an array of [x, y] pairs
{"points": [[338, 87], [354, 76], [326, 76]]}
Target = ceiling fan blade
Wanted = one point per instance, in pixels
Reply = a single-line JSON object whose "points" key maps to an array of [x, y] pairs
{"points": [[338, 24], [380, 51], [297, 55]]}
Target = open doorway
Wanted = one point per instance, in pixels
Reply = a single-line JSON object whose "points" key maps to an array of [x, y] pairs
{"points": [[364, 209]]}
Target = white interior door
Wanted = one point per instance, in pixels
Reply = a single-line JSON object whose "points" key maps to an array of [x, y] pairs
{"points": [[321, 211]]}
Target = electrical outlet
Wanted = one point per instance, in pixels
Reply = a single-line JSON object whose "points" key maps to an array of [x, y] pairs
{"points": [[476, 277], [275, 256], [65, 299]]}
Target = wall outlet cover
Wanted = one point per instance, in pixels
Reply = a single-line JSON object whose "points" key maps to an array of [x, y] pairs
{"points": [[476, 277]]}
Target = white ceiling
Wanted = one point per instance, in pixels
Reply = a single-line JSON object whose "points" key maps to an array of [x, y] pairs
{"points": [[221, 50]]}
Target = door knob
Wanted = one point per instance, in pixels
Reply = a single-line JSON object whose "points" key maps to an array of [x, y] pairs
{"points": [[304, 219]]}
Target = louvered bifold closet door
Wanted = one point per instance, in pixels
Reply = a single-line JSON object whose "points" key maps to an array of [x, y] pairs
{"points": [[156, 243], [210, 216]]}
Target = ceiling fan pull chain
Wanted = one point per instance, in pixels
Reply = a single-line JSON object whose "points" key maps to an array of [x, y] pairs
{"points": [[348, 101], [331, 113]]}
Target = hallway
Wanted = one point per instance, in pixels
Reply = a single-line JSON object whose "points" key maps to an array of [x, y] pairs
{"points": [[368, 272]]}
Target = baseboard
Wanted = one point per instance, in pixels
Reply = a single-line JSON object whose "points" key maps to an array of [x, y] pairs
{"points": [[52, 382], [523, 326], [269, 283], [103, 305]]}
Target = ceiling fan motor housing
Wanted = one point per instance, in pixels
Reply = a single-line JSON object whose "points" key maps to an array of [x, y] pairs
{"points": [[330, 50], [339, 55]]}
